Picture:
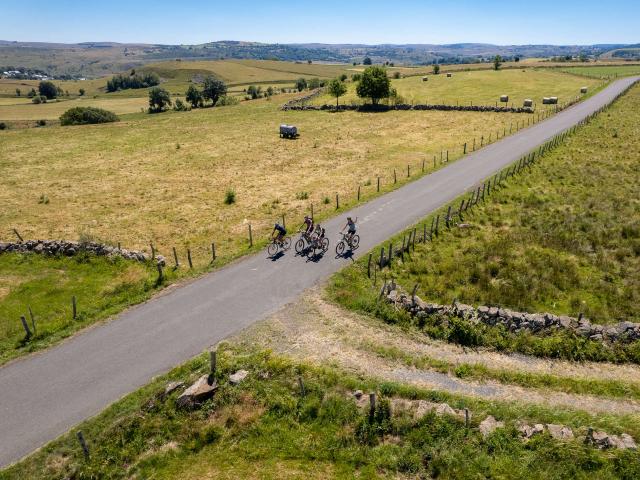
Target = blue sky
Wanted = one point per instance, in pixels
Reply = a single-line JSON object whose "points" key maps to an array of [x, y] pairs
{"points": [[326, 21]]}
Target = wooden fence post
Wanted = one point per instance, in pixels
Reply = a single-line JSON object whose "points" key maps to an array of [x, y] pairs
{"points": [[437, 224], [369, 265], [74, 307], [423, 165], [250, 237], [448, 217], [189, 258], [474, 144], [175, 257], [465, 149], [395, 178], [381, 258], [18, 235], [408, 171], [83, 444], [160, 273], [283, 223], [337, 202], [25, 325], [447, 156], [312, 212], [413, 241], [358, 192], [33, 319], [433, 220], [213, 364], [378, 184], [213, 251], [153, 251]]}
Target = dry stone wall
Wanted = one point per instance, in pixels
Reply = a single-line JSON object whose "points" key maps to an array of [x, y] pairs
{"points": [[62, 247]]}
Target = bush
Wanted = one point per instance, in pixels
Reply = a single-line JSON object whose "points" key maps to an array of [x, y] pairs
{"points": [[194, 96], [159, 99], [87, 115], [213, 89], [39, 99], [227, 100], [3, 126], [396, 75], [230, 197], [48, 89], [301, 84], [254, 92], [180, 106], [41, 123], [81, 92], [366, 61]]}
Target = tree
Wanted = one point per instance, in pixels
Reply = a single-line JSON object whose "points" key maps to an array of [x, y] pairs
{"points": [[254, 92], [497, 61], [32, 93], [343, 77], [582, 57], [516, 59], [81, 92], [374, 84], [18, 92], [47, 89], [87, 115], [366, 61], [314, 83], [213, 88], [194, 96], [436, 69], [159, 99], [337, 89], [301, 84]]}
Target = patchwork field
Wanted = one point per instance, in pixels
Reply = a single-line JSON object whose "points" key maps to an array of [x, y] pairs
{"points": [[482, 87]]}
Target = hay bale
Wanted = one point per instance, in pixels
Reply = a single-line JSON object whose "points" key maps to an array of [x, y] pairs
{"points": [[425, 79], [504, 98], [288, 131], [528, 103], [583, 90], [448, 75], [553, 100], [546, 101]]}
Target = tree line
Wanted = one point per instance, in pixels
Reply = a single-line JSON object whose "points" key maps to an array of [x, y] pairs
{"points": [[133, 80]]}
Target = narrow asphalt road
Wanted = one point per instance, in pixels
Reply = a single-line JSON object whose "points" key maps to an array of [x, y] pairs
{"points": [[44, 395]]}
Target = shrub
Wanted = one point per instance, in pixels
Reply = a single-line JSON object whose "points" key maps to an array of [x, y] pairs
{"points": [[396, 75], [254, 92], [301, 84], [32, 93], [366, 61], [213, 89], [81, 92], [41, 123], [356, 77], [436, 69], [87, 115], [194, 96], [314, 83], [3, 126], [302, 195], [39, 99], [343, 77], [18, 92], [48, 89], [180, 106], [227, 100], [230, 197]]}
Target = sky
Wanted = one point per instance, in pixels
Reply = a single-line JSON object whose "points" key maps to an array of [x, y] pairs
{"points": [[560, 22]]}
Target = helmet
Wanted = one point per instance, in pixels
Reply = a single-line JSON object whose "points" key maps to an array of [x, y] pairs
{"points": [[349, 219], [306, 217]]}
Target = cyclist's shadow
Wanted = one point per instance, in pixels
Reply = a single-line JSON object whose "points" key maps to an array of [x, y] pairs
{"points": [[277, 256], [347, 255], [315, 257]]}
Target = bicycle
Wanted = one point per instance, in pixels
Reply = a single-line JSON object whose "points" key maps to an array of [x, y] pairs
{"points": [[276, 245], [319, 244], [352, 243], [305, 241]]}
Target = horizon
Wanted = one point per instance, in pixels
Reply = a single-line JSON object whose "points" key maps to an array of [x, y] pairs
{"points": [[356, 23]]}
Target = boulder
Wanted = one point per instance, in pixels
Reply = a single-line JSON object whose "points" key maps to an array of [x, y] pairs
{"points": [[488, 425], [445, 409], [172, 387], [197, 393], [559, 432], [239, 376], [528, 431], [603, 440]]}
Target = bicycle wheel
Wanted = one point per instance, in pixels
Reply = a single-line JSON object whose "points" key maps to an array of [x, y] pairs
{"points": [[355, 242], [300, 246], [286, 243], [272, 249], [325, 244], [340, 247]]}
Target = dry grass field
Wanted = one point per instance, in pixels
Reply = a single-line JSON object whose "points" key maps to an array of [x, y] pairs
{"points": [[163, 178]]}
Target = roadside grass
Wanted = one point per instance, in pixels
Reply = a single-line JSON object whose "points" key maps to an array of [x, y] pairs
{"points": [[604, 71], [482, 87], [266, 427], [129, 182], [561, 238], [101, 286]]}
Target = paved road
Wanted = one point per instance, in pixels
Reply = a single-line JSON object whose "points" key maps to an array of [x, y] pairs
{"points": [[44, 395]]}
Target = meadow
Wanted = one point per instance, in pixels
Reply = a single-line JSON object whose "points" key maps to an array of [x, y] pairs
{"points": [[604, 71], [267, 427], [561, 238], [481, 87]]}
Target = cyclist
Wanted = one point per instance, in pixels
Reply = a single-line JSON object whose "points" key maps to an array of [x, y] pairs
{"points": [[351, 228], [307, 225], [281, 232]]}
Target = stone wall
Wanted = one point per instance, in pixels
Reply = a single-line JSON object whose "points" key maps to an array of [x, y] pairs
{"points": [[404, 106], [297, 102], [62, 247], [515, 321]]}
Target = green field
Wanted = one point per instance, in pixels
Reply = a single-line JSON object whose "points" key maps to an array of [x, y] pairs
{"points": [[481, 87], [604, 71], [562, 238], [101, 287], [265, 428]]}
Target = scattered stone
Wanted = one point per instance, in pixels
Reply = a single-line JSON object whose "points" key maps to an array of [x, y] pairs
{"points": [[197, 393], [603, 440], [172, 387], [239, 376], [559, 432], [488, 425], [528, 431]]}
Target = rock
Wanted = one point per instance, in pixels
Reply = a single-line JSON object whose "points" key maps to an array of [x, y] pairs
{"points": [[528, 431], [488, 425], [493, 312], [172, 387], [597, 337], [628, 442], [197, 393], [559, 432], [358, 394], [445, 409], [603, 440], [238, 377]]}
